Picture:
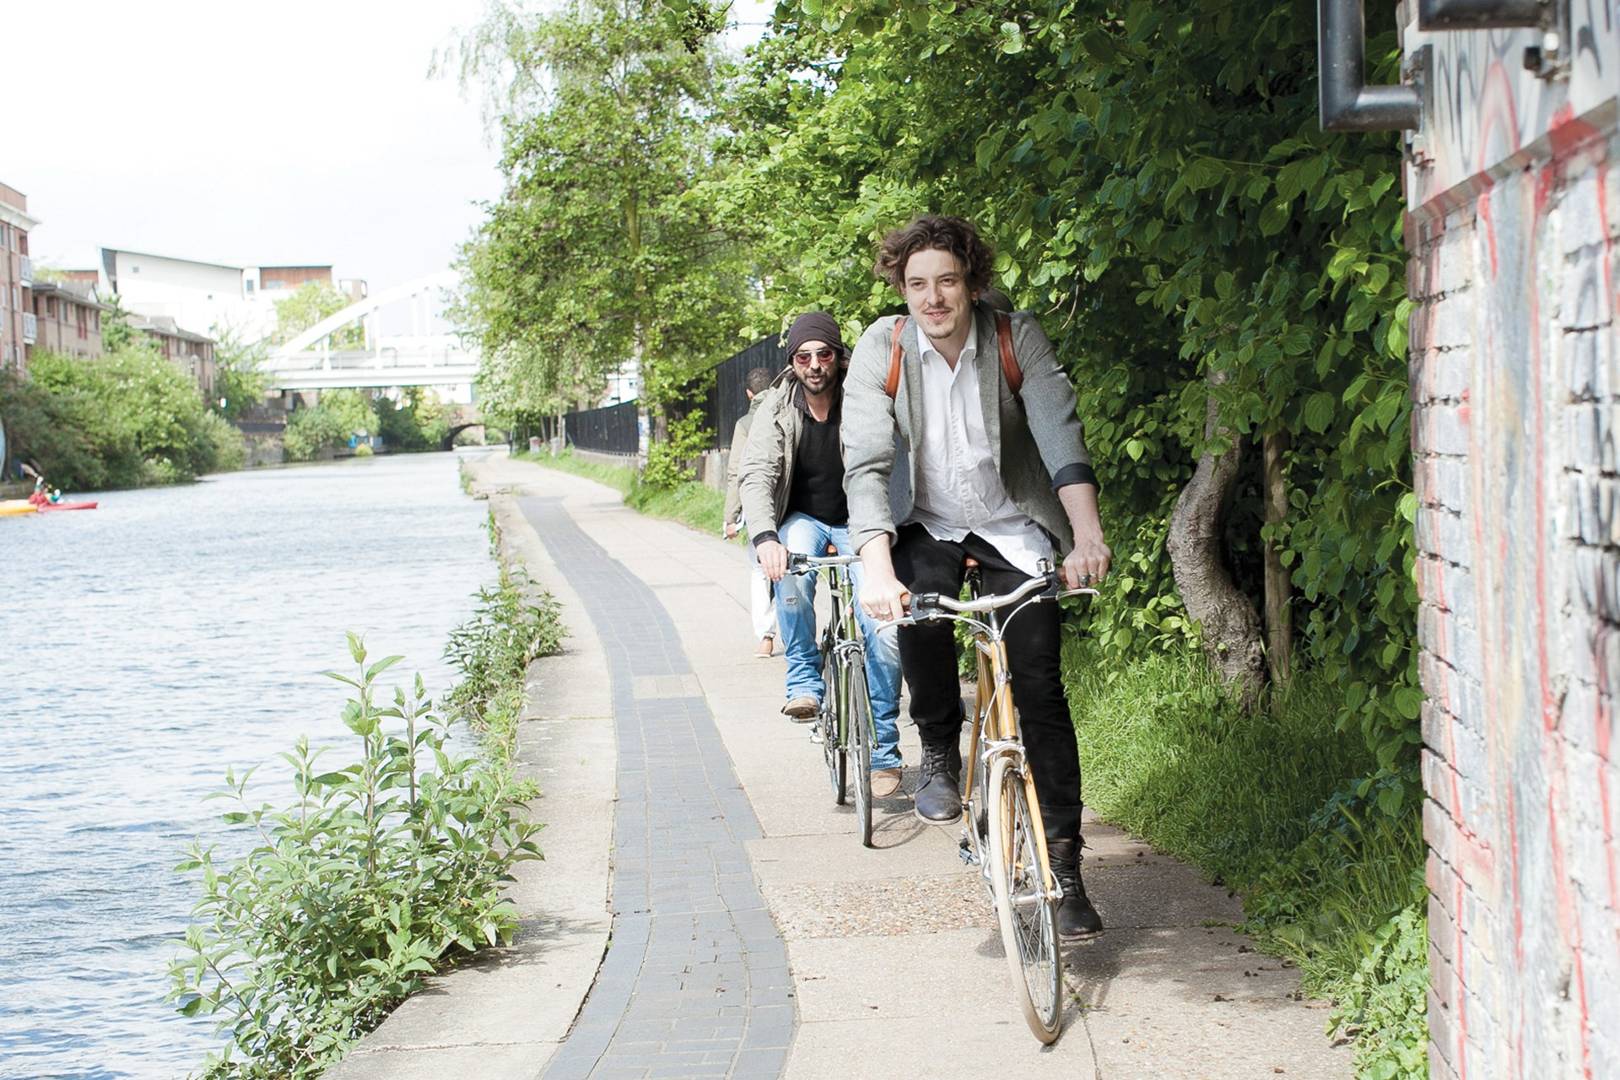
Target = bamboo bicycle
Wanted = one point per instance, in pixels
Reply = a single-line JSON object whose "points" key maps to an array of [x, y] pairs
{"points": [[1001, 816], [844, 725]]}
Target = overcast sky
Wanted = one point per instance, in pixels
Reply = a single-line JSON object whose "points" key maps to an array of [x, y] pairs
{"points": [[302, 131]]}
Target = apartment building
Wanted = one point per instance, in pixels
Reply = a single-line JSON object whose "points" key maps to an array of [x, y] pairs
{"points": [[17, 324], [68, 317], [191, 353]]}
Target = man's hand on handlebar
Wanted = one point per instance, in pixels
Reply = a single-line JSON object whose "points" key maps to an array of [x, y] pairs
{"points": [[883, 597], [1087, 564], [773, 559]]}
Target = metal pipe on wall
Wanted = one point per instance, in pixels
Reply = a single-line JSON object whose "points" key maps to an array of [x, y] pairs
{"points": [[1346, 102], [1479, 14]]}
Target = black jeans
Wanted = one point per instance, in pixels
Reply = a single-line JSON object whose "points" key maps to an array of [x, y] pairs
{"points": [[1034, 647]]}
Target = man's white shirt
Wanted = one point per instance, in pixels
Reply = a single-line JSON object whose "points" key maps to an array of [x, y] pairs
{"points": [[958, 489]]}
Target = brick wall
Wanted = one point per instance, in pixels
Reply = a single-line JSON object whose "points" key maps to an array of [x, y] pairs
{"points": [[1514, 235]]}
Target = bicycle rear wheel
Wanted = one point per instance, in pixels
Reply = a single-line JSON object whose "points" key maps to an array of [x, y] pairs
{"points": [[833, 697], [1025, 906], [859, 729]]}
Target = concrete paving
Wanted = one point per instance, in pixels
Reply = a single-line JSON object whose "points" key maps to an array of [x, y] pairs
{"points": [[892, 962]]}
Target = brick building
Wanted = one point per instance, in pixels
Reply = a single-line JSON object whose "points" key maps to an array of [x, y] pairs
{"points": [[192, 353], [1513, 190], [17, 326], [68, 320]]}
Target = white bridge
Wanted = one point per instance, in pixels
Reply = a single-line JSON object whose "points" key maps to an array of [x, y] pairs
{"points": [[418, 358]]}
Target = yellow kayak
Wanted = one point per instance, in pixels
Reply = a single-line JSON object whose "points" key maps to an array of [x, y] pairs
{"points": [[8, 507]]}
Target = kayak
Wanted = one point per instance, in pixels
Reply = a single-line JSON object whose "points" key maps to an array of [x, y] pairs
{"points": [[10, 507], [49, 507]]}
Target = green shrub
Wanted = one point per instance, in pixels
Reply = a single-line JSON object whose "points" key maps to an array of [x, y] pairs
{"points": [[1385, 1003], [493, 648], [126, 419], [312, 431], [222, 448], [379, 870], [669, 462]]}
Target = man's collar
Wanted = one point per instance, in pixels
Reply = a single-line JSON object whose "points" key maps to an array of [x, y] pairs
{"points": [[797, 398]]}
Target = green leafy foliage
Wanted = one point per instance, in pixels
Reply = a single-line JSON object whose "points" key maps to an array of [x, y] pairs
{"points": [[512, 623], [670, 463], [417, 421], [126, 419], [239, 381], [599, 252], [1259, 802], [308, 305], [1158, 191], [380, 871], [1386, 1001]]}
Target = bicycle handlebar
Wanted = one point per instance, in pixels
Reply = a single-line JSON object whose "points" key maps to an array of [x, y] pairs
{"points": [[803, 564], [925, 607]]}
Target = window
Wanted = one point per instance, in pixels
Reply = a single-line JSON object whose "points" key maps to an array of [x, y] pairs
{"points": [[84, 324], [248, 285], [3, 241], [50, 307]]}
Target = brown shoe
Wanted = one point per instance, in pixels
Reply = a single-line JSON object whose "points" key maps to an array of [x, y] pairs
{"points": [[802, 708], [885, 783], [767, 647]]}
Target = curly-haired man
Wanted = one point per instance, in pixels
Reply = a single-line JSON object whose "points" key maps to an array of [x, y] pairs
{"points": [[997, 472]]}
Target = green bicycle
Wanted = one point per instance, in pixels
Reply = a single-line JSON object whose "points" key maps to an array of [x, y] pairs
{"points": [[844, 725]]}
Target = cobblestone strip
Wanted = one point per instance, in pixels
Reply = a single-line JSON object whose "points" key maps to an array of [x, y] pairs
{"points": [[695, 982]]}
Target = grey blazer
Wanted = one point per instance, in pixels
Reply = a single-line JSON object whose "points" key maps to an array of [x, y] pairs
{"points": [[1035, 437]]}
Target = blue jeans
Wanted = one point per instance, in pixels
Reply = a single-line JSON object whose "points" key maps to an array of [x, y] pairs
{"points": [[796, 617]]}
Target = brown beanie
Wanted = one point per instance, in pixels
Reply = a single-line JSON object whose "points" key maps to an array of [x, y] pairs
{"points": [[815, 326]]}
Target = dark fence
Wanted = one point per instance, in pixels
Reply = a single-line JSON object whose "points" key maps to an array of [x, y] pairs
{"points": [[613, 430], [609, 430], [726, 399]]}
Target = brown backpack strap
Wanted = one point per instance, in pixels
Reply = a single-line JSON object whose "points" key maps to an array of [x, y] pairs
{"points": [[1009, 363], [891, 385]]}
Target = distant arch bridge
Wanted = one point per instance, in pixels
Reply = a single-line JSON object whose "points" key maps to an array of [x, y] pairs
{"points": [[418, 358]]}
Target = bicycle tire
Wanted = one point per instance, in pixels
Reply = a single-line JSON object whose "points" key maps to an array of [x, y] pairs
{"points": [[859, 717], [1028, 921], [829, 722]]}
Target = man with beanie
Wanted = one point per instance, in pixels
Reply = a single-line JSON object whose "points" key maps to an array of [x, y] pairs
{"points": [[763, 606], [792, 486], [998, 473]]}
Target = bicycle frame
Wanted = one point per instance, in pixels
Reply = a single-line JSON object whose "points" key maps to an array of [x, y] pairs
{"points": [[996, 731]]}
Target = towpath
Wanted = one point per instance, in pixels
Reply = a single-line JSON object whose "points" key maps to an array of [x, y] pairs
{"points": [[705, 910]]}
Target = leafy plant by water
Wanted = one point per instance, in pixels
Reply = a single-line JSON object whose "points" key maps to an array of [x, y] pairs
{"points": [[379, 872]]}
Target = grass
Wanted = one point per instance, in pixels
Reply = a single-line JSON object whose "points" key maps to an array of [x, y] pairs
{"points": [[693, 504], [1257, 802]]}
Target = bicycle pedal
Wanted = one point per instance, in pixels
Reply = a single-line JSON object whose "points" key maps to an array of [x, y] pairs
{"points": [[964, 851], [817, 737]]}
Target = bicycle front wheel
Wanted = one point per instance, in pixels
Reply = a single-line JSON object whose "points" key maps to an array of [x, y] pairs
{"points": [[1025, 906], [833, 699], [859, 727]]}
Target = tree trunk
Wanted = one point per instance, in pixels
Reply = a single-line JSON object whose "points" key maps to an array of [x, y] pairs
{"points": [[1279, 590], [1231, 628]]}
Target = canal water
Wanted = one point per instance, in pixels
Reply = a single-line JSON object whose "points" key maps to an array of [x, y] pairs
{"points": [[146, 646]]}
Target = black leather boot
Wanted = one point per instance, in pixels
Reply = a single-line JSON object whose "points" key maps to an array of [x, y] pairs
{"points": [[1076, 918], [938, 798]]}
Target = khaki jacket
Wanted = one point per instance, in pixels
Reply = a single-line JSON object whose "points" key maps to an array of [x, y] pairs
{"points": [[739, 444], [766, 475]]}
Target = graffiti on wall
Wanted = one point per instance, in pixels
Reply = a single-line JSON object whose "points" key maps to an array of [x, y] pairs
{"points": [[1516, 372], [1484, 114]]}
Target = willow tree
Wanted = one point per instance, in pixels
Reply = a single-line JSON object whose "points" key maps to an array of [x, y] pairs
{"points": [[598, 252]]}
